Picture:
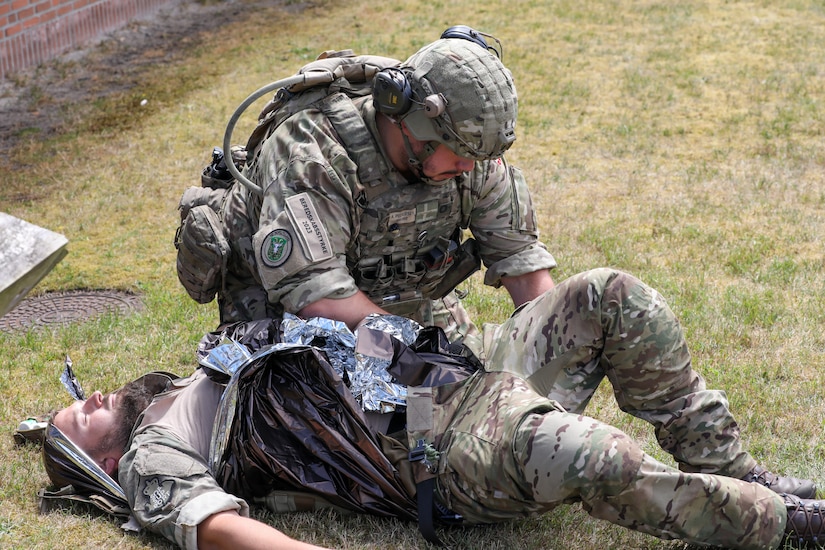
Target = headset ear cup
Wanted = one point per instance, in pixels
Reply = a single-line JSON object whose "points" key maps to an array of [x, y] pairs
{"points": [[391, 92]]}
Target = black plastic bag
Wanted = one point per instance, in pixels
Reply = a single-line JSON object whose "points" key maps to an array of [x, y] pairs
{"points": [[299, 428]]}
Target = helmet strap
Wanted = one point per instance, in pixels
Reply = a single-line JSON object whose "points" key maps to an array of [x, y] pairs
{"points": [[415, 161]]}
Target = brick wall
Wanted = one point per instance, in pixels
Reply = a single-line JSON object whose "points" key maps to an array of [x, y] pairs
{"points": [[33, 31]]}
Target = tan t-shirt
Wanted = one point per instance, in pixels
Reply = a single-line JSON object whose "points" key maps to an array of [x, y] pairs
{"points": [[189, 415]]}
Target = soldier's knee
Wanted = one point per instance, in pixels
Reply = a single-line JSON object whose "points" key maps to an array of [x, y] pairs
{"points": [[597, 284], [581, 456], [611, 463]]}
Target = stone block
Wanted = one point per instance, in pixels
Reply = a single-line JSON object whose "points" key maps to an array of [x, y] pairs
{"points": [[27, 254]]}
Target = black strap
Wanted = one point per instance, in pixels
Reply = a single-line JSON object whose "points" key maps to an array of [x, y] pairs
{"points": [[425, 495]]}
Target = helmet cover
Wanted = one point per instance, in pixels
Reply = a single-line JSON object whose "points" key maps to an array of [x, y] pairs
{"points": [[464, 97]]}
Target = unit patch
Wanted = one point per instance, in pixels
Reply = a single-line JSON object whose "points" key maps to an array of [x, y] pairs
{"points": [[276, 248], [158, 493], [311, 231]]}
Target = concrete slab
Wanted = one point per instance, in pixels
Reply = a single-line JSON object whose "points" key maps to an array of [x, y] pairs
{"points": [[27, 254]]}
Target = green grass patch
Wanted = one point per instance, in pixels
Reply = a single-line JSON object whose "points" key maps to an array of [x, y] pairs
{"points": [[680, 142]]}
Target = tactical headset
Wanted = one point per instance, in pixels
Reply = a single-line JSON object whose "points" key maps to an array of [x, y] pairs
{"points": [[391, 90]]}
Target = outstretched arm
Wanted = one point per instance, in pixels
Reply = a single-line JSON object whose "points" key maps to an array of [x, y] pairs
{"points": [[230, 530]]}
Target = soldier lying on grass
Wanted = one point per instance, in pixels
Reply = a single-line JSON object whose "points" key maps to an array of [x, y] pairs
{"points": [[478, 442]]}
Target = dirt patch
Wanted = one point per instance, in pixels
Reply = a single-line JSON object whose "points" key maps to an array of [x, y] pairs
{"points": [[41, 101]]}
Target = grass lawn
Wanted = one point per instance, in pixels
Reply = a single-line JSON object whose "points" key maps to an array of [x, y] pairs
{"points": [[682, 142]]}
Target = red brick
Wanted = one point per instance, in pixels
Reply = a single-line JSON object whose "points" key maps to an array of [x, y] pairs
{"points": [[25, 14], [13, 29], [48, 16]]}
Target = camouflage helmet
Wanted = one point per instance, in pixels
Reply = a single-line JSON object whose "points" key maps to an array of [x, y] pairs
{"points": [[463, 97]]}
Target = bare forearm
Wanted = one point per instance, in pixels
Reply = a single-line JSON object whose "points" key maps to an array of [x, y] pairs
{"points": [[231, 531], [523, 288], [350, 310]]}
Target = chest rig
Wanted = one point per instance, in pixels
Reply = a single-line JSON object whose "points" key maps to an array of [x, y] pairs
{"points": [[408, 233]]}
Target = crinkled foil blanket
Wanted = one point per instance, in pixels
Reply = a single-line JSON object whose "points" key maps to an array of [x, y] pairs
{"points": [[366, 374]]}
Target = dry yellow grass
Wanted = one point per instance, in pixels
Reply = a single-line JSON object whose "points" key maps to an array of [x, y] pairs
{"points": [[680, 142]]}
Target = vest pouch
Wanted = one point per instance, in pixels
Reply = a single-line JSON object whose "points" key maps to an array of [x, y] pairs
{"points": [[433, 278], [466, 262], [374, 278], [203, 253], [410, 272]]}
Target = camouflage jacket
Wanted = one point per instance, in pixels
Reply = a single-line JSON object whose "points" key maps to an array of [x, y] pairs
{"points": [[327, 226]]}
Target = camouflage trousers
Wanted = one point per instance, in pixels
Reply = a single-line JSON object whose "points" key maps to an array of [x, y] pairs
{"points": [[530, 458], [449, 315], [604, 323]]}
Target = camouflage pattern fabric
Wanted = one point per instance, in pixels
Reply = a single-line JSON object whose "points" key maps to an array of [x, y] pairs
{"points": [[449, 315], [604, 323], [527, 464], [315, 234], [528, 455], [169, 487]]}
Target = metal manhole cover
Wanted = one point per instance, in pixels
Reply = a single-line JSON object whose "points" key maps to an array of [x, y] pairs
{"points": [[61, 308]]}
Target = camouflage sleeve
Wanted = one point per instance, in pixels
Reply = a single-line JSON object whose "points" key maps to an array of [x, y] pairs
{"points": [[169, 487], [503, 222], [307, 215]]}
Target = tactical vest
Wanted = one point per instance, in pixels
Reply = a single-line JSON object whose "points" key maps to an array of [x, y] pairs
{"points": [[409, 235], [409, 232]]}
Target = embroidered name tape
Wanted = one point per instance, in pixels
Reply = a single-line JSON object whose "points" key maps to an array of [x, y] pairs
{"points": [[402, 216], [311, 232]]}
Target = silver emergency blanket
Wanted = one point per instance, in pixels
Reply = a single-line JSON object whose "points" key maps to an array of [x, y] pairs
{"points": [[79, 465], [364, 368], [70, 381], [333, 337], [370, 382]]}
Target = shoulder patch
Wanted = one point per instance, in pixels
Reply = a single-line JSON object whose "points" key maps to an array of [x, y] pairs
{"points": [[311, 230], [158, 493], [276, 248]]}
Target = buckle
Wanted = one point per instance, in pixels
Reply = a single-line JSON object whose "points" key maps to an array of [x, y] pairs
{"points": [[425, 454]]}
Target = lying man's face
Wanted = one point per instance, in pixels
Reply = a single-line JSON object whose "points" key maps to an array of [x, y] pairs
{"points": [[90, 422], [101, 424]]}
